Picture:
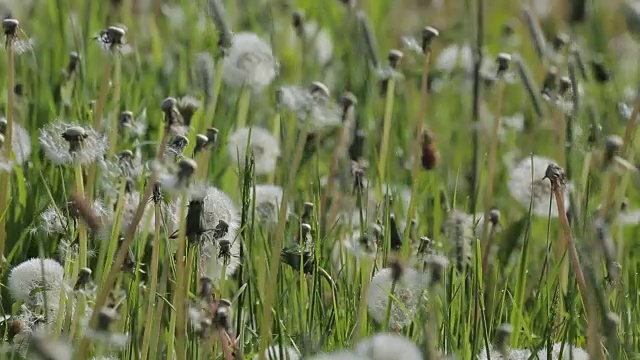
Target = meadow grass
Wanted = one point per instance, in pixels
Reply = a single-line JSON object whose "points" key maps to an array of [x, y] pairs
{"points": [[410, 188]]}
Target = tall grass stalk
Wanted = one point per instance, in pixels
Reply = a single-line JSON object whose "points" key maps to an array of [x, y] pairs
{"points": [[244, 100], [474, 183], [418, 141], [274, 266], [153, 283], [113, 123], [5, 176], [386, 130], [491, 170], [82, 227], [178, 318], [107, 284]]}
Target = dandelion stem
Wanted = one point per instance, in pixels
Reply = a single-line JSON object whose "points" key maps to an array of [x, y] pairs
{"points": [[417, 143], [181, 288], [153, 286], [243, 107], [569, 245], [475, 172], [272, 274], [82, 227], [386, 130], [493, 162], [275, 130], [109, 281], [97, 119], [5, 177], [113, 134]]}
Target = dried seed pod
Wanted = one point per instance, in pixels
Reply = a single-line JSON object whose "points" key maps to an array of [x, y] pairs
{"points": [[394, 58], [503, 61], [428, 35], [430, 155], [10, 27]]}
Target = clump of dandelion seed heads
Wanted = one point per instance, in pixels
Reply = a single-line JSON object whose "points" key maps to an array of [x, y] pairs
{"points": [[339, 355], [528, 188], [267, 202], [568, 352], [249, 62], [88, 147], [54, 220], [388, 347], [408, 290], [262, 145], [276, 353]]}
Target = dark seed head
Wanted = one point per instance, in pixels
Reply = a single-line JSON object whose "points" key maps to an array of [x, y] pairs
{"points": [[206, 288], [319, 89], [560, 41], [565, 86], [307, 212], [74, 60], [10, 27], [394, 58], [503, 337], [428, 34], [549, 85], [126, 118], [430, 155], [125, 155], [3, 125], [212, 135], [494, 217], [503, 61], [74, 133], [437, 266], [397, 269], [600, 71], [168, 104], [187, 167], [105, 318], [201, 142], [613, 144], [84, 278], [298, 22], [115, 34], [348, 100]]}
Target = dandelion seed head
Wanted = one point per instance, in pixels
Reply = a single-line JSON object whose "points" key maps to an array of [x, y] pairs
{"points": [[408, 290], [568, 352], [267, 202], [527, 187], [388, 347], [262, 145], [52, 221], [58, 142], [514, 354], [454, 56], [339, 355], [458, 228], [249, 62], [319, 40], [136, 126], [131, 201], [21, 141], [274, 353], [34, 277], [188, 105], [312, 105]]}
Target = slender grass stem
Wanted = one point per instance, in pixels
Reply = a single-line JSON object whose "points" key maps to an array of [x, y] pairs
{"points": [[5, 176], [274, 266], [417, 142], [595, 345], [386, 130], [113, 134], [82, 227], [153, 284], [474, 182], [107, 284], [181, 288], [491, 169], [243, 107]]}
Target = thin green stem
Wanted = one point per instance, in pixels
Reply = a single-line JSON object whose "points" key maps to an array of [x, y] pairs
{"points": [[243, 107], [82, 227], [272, 274], [153, 283], [5, 177], [386, 130]]}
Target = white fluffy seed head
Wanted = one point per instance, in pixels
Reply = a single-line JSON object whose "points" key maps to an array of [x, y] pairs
{"points": [[262, 145], [249, 62], [339, 355], [131, 201], [20, 143], [56, 148], [527, 186], [388, 347], [514, 354], [316, 111], [276, 353], [568, 352], [267, 202], [408, 290], [35, 276]]}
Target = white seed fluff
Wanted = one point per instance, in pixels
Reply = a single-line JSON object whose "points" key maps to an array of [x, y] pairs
{"points": [[408, 292], [569, 352], [35, 275], [527, 187], [267, 202], [262, 145], [56, 148], [249, 62], [388, 347], [274, 353], [339, 355]]}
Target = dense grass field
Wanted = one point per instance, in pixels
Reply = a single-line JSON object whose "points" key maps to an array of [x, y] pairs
{"points": [[306, 179]]}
